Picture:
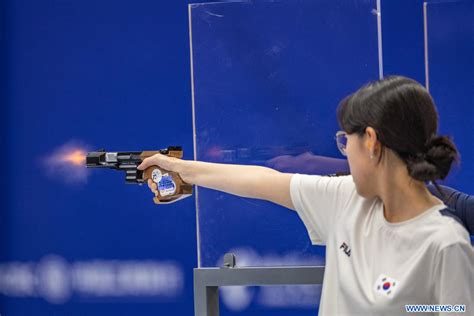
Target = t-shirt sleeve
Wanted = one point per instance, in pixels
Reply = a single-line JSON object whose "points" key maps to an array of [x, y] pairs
{"points": [[319, 201], [454, 276]]}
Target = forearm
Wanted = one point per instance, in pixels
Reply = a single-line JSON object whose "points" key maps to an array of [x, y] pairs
{"points": [[241, 180]]}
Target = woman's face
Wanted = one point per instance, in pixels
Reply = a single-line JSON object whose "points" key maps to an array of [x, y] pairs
{"points": [[362, 166]]}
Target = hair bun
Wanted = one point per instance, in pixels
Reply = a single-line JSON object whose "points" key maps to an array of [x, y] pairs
{"points": [[435, 162]]}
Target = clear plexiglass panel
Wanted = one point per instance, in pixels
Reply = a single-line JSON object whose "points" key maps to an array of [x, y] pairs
{"points": [[267, 78]]}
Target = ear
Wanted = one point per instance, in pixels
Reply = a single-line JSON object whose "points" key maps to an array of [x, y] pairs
{"points": [[370, 139]]}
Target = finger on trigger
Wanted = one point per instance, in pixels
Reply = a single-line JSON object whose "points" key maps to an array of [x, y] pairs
{"points": [[143, 165]]}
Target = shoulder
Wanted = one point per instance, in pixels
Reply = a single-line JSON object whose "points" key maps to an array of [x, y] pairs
{"points": [[324, 192], [340, 190], [343, 183]]}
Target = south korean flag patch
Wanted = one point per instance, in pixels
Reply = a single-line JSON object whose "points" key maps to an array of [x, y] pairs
{"points": [[386, 286]]}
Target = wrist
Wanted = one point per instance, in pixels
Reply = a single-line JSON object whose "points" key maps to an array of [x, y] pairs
{"points": [[182, 167], [177, 165]]}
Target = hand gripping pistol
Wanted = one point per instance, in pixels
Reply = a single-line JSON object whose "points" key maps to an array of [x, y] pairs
{"points": [[171, 187]]}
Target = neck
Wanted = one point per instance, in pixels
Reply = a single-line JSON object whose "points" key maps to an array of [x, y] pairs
{"points": [[402, 196]]}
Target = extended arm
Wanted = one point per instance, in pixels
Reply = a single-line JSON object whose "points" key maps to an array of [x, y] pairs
{"points": [[246, 181]]}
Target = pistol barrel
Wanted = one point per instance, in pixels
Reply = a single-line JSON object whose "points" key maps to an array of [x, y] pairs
{"points": [[127, 161]]}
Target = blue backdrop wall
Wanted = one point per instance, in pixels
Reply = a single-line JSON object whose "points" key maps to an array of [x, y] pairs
{"points": [[84, 75]]}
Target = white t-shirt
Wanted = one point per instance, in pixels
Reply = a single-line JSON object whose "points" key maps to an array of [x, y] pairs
{"points": [[374, 267]]}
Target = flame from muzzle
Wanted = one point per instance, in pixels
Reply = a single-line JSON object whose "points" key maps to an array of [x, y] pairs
{"points": [[67, 163], [76, 157]]}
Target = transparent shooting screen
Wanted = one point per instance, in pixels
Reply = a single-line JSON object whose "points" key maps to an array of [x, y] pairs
{"points": [[267, 78]]}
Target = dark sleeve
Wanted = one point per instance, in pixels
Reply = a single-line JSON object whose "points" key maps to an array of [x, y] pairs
{"points": [[461, 203]]}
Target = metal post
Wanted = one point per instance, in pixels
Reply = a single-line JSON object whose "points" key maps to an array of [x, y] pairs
{"points": [[206, 298]]}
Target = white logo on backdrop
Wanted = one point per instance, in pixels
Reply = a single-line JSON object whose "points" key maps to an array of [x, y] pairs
{"points": [[53, 279], [56, 280]]}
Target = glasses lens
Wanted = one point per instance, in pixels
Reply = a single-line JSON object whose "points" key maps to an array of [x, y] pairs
{"points": [[341, 140]]}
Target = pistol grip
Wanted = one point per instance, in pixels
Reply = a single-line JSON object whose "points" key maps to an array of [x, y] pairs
{"points": [[148, 173], [171, 187]]}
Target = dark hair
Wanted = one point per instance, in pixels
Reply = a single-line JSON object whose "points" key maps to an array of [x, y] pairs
{"points": [[404, 116]]}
